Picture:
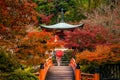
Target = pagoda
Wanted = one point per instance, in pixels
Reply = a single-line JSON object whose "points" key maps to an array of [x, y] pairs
{"points": [[59, 28]]}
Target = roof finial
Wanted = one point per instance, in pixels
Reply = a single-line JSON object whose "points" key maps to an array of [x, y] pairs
{"points": [[62, 15]]}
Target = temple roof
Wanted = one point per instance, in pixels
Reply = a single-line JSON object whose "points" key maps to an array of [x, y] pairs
{"points": [[62, 25]]}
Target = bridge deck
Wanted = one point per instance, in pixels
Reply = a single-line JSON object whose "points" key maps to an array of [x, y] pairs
{"points": [[60, 73]]}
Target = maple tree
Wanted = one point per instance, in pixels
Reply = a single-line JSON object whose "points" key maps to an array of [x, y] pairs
{"points": [[101, 55], [14, 16], [46, 19], [31, 50], [15, 12], [91, 36]]}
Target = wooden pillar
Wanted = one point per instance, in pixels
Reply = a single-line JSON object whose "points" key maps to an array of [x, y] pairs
{"points": [[77, 73], [41, 74], [96, 75]]}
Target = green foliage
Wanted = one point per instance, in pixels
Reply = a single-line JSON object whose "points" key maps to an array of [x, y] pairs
{"points": [[20, 75], [89, 68], [29, 69], [69, 54], [89, 5], [45, 8], [8, 63], [71, 10], [66, 57]]}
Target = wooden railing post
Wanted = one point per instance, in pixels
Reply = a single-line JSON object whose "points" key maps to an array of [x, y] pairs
{"points": [[41, 74], [77, 72], [44, 68], [96, 75]]}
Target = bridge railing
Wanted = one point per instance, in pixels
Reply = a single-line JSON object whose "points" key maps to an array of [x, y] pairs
{"points": [[83, 76], [73, 64], [44, 68], [76, 69], [86, 76]]}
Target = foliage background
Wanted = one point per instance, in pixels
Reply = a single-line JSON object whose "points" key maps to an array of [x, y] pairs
{"points": [[20, 18]]}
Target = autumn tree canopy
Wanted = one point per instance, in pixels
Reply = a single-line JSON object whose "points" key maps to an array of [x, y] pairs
{"points": [[17, 12], [16, 18], [15, 15], [101, 55], [32, 48], [91, 36]]}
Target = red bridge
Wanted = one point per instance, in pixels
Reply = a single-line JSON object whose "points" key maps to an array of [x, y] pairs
{"points": [[49, 71]]}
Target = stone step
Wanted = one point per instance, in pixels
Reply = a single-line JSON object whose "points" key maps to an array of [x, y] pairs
{"points": [[63, 63], [60, 78], [60, 73], [60, 68]]}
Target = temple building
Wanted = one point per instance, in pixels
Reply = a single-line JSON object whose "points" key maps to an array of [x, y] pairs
{"points": [[59, 28]]}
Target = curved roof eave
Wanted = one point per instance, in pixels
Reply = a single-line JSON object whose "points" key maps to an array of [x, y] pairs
{"points": [[62, 26]]}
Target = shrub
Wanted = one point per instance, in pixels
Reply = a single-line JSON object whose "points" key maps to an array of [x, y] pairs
{"points": [[8, 63], [20, 75], [90, 68], [102, 54], [69, 54]]}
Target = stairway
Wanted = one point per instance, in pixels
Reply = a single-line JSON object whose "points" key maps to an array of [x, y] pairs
{"points": [[60, 73], [64, 61]]}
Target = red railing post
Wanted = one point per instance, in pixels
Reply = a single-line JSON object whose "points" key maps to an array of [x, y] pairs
{"points": [[41, 74], [44, 68], [77, 72], [96, 75]]}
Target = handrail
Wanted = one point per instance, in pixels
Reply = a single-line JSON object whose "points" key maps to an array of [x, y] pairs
{"points": [[86, 76], [79, 75], [76, 69], [73, 64], [43, 71]]}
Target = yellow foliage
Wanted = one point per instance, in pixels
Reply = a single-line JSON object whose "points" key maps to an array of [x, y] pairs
{"points": [[33, 47], [102, 54]]}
